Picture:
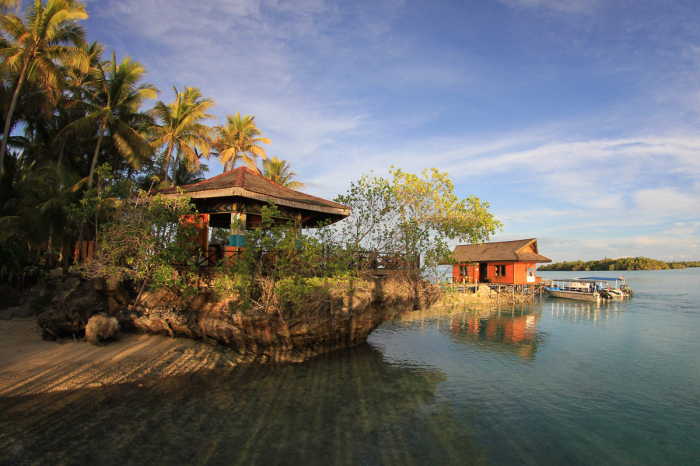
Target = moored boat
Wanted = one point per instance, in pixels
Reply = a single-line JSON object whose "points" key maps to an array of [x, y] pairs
{"points": [[590, 289]]}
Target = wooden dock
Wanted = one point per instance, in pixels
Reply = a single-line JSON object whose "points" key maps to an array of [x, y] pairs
{"points": [[499, 292]]}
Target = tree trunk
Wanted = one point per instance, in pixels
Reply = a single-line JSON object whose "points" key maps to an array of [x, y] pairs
{"points": [[167, 160], [10, 112], [49, 252], [97, 152], [138, 297], [61, 148], [176, 165], [66, 250]]}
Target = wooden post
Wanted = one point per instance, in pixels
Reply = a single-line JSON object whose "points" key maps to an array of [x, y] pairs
{"points": [[238, 217], [242, 217], [203, 237]]}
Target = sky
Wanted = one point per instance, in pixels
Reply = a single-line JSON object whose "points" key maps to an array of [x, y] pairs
{"points": [[578, 121]]}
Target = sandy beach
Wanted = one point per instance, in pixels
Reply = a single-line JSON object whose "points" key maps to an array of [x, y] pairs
{"points": [[29, 365]]}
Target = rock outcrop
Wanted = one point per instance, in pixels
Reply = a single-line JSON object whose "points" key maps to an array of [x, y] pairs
{"points": [[101, 328], [333, 320]]}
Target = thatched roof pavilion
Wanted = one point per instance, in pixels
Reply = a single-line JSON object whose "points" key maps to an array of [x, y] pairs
{"points": [[240, 194]]}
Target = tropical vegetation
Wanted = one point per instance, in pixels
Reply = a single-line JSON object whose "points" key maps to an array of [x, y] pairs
{"points": [[81, 146], [280, 172], [239, 140], [81, 134], [625, 263]]}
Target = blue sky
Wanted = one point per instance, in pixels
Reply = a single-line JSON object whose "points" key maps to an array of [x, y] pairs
{"points": [[577, 120]]}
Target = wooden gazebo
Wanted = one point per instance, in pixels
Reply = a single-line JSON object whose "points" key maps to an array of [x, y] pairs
{"points": [[239, 195]]}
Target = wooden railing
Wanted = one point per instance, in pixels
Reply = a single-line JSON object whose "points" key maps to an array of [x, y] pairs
{"points": [[214, 256], [383, 263], [376, 263]]}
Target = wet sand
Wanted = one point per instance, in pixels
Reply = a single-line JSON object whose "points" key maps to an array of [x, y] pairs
{"points": [[29, 365]]}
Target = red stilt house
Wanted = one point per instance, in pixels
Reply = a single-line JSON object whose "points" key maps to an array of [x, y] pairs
{"points": [[505, 262]]}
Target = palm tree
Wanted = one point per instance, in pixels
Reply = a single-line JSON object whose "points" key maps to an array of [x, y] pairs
{"points": [[7, 5], [50, 35], [113, 105], [183, 175], [280, 172], [182, 128], [77, 81], [238, 140]]}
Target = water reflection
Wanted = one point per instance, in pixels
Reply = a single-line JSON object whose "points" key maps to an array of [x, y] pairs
{"points": [[349, 407], [507, 331], [584, 311]]}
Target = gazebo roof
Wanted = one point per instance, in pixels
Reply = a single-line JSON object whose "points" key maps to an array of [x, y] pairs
{"points": [[522, 250], [244, 182]]}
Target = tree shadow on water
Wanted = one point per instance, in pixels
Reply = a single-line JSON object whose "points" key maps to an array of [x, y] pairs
{"points": [[348, 407]]}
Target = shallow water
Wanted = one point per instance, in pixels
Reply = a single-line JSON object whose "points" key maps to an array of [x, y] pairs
{"points": [[556, 382]]}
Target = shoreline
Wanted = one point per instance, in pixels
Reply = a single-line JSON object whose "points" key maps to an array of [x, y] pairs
{"points": [[29, 365]]}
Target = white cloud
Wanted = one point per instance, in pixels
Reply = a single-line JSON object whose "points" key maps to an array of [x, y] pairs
{"points": [[563, 6], [315, 74], [668, 201]]}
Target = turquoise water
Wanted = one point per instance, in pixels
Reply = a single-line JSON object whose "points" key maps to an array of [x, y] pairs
{"points": [[556, 382]]}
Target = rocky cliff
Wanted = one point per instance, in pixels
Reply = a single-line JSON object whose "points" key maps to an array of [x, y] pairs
{"points": [[338, 319]]}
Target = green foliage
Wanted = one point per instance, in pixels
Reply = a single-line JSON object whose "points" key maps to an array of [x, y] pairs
{"points": [[182, 129], [279, 268], [410, 218], [369, 228], [34, 47], [18, 263], [221, 236], [280, 172], [239, 139], [82, 120], [98, 203], [70, 117], [625, 263], [144, 241]]}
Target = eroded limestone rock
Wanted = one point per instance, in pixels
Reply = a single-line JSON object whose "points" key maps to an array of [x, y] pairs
{"points": [[331, 320], [101, 328]]}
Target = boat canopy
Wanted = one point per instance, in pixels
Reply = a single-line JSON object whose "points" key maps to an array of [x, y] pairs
{"points": [[596, 279]]}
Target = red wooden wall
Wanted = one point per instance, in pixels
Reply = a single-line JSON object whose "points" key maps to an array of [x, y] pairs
{"points": [[516, 273]]}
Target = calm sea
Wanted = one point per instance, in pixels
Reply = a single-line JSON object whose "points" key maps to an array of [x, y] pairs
{"points": [[557, 382]]}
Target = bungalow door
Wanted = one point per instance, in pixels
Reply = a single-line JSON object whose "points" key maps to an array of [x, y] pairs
{"points": [[483, 269]]}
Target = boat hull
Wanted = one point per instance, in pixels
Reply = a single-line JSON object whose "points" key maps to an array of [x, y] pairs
{"points": [[573, 295]]}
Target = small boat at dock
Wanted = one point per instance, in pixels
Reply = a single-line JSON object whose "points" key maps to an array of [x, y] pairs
{"points": [[590, 289]]}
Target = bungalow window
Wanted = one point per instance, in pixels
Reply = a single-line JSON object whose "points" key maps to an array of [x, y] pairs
{"points": [[463, 270], [500, 270]]}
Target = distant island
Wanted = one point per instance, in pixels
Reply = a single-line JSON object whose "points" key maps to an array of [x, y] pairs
{"points": [[625, 263]]}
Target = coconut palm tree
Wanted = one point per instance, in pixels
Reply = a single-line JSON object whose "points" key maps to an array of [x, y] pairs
{"points": [[183, 174], [239, 139], [182, 129], [35, 45], [77, 81], [113, 106], [8, 5], [280, 172]]}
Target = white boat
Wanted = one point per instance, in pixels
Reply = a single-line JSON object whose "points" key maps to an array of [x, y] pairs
{"points": [[590, 289]]}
